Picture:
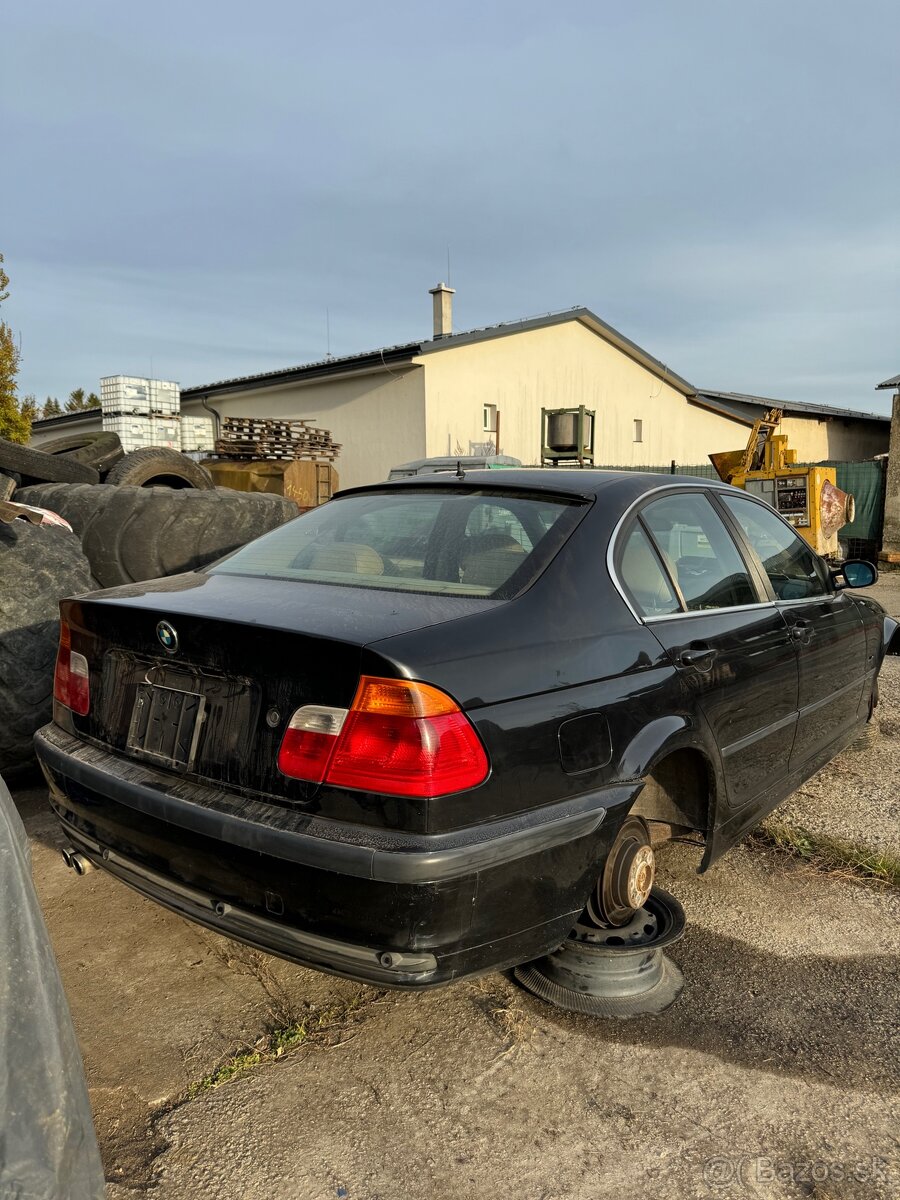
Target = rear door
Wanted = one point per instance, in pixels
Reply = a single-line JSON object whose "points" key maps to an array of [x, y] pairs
{"points": [[824, 622], [709, 609]]}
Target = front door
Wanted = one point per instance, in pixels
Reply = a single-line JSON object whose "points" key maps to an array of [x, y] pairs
{"points": [[824, 623]]}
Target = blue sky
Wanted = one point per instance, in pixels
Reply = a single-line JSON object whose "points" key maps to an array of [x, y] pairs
{"points": [[189, 187]]}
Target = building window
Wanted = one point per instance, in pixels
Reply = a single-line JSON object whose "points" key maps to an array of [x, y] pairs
{"points": [[638, 430], [490, 418]]}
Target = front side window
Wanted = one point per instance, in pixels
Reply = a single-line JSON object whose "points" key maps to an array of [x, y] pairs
{"points": [[699, 552], [794, 571], [451, 543]]}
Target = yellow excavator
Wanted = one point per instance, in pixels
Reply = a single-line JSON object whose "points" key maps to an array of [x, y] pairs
{"points": [[807, 497]]}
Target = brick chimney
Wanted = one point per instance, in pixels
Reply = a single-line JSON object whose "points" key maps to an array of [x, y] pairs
{"points": [[443, 309]]}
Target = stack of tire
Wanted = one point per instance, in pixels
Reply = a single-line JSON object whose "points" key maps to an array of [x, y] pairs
{"points": [[155, 513]]}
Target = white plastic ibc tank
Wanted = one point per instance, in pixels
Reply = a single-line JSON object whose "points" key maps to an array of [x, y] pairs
{"points": [[165, 397], [197, 433]]}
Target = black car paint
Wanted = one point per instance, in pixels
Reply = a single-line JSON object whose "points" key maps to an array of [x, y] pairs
{"points": [[568, 647]]}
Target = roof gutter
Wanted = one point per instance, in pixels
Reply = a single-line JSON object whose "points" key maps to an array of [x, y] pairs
{"points": [[364, 365]]}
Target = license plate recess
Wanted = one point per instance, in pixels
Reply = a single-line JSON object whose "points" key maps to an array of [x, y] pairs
{"points": [[165, 724]]}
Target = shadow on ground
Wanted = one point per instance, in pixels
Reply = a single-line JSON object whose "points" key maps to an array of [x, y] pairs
{"points": [[781, 1014]]}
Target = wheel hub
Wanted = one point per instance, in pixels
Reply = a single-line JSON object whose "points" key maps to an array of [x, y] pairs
{"points": [[640, 876], [627, 878]]}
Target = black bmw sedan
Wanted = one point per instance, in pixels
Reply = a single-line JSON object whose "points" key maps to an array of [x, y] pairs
{"points": [[416, 732]]}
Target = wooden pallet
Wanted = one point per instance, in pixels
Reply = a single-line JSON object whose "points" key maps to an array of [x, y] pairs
{"points": [[316, 453], [274, 438], [273, 444]]}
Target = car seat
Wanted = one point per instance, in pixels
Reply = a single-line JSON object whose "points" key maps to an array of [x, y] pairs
{"points": [[645, 579], [490, 559], [347, 558]]}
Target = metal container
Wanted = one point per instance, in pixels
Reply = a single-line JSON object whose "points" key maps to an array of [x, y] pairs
{"points": [[562, 432]]}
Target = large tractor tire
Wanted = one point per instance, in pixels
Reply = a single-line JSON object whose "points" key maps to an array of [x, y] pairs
{"points": [[157, 466], [36, 466], [39, 565], [132, 533], [98, 450]]}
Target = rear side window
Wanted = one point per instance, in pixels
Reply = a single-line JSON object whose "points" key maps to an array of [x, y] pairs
{"points": [[793, 570], [643, 576], [459, 542], [699, 552]]}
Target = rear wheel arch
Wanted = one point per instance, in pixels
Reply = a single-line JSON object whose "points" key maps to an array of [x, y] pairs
{"points": [[679, 790]]}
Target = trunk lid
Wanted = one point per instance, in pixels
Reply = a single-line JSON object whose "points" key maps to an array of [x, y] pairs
{"points": [[246, 654]]}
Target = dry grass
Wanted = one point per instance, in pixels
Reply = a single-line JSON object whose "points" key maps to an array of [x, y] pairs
{"points": [[830, 854], [323, 1025], [506, 1014]]}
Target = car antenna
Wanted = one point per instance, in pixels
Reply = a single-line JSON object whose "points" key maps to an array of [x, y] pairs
{"points": [[460, 473]]}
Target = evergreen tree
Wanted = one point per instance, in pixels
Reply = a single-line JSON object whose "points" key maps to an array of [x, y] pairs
{"points": [[15, 425], [78, 401]]}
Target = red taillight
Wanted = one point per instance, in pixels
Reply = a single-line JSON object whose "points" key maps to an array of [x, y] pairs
{"points": [[398, 738], [72, 681], [309, 742]]}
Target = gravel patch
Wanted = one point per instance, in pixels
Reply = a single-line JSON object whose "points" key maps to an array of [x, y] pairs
{"points": [[777, 1068]]}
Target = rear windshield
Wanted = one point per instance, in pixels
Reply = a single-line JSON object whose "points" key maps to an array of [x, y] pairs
{"points": [[473, 543]]}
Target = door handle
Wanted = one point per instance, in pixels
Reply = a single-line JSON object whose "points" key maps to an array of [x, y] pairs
{"points": [[700, 657], [802, 631]]}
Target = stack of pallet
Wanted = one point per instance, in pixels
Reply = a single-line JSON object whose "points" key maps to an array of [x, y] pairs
{"points": [[272, 438]]}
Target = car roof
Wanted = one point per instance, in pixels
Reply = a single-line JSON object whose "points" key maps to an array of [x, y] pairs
{"points": [[622, 486]]}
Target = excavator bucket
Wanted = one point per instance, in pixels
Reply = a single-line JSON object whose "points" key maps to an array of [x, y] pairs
{"points": [[728, 463]]}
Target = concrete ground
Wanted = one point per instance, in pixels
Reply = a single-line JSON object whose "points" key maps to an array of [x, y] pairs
{"points": [[774, 1075]]}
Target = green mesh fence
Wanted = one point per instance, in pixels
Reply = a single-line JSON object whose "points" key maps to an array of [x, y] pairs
{"points": [[703, 470], [865, 482]]}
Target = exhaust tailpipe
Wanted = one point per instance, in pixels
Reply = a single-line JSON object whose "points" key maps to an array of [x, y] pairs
{"points": [[77, 862]]}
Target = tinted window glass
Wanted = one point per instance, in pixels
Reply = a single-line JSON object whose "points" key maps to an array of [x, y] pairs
{"points": [[699, 552], [491, 524], [468, 543], [644, 578], [794, 570]]}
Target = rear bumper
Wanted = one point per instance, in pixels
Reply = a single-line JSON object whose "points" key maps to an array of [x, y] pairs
{"points": [[244, 926], [382, 906]]}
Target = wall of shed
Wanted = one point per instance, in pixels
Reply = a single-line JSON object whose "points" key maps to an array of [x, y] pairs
{"points": [[555, 367], [378, 419], [91, 423], [847, 440]]}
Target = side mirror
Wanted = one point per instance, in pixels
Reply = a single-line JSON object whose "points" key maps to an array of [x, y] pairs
{"points": [[856, 573]]}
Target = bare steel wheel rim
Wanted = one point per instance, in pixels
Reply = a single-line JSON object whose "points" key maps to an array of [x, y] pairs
{"points": [[627, 877], [613, 972]]}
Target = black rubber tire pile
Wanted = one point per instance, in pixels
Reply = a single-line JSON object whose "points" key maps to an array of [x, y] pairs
{"points": [[38, 565], [133, 533], [158, 513]]}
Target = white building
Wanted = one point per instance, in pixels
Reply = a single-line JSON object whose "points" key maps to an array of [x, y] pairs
{"points": [[446, 395]]}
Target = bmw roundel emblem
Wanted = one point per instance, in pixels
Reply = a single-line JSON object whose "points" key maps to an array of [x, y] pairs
{"points": [[167, 636]]}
